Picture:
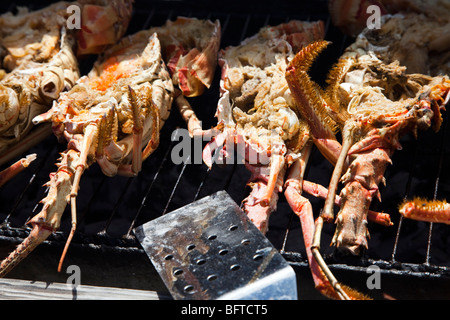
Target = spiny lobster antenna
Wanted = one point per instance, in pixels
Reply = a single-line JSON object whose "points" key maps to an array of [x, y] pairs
{"points": [[38, 235], [91, 133], [307, 92], [333, 96]]}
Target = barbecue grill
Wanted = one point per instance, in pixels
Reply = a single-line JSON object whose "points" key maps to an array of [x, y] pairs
{"points": [[409, 254]]}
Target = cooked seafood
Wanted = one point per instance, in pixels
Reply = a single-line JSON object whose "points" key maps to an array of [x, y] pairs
{"points": [[113, 117], [255, 110], [258, 123], [16, 168], [118, 107], [352, 15], [417, 42], [103, 23], [431, 59], [436, 211], [190, 48], [373, 104], [38, 62]]}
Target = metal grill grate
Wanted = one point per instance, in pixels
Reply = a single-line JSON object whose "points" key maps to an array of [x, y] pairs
{"points": [[109, 208]]}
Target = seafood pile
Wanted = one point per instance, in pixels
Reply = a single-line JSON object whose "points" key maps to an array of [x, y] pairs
{"points": [[352, 16], [256, 111], [432, 59], [260, 125], [39, 62], [112, 117], [376, 93], [105, 118], [270, 113]]}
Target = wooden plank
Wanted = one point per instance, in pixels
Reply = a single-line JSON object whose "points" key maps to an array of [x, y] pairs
{"points": [[12, 289]]}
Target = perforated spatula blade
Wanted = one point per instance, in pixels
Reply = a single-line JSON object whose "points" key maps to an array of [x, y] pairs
{"points": [[209, 249]]}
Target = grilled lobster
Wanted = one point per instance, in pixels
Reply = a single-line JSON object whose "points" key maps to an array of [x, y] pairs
{"points": [[39, 61], [108, 117], [373, 104], [259, 124], [112, 117]]}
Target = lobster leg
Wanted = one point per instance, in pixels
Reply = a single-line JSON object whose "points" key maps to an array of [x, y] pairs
{"points": [[188, 114], [15, 169], [258, 213], [38, 234], [327, 213], [315, 251], [90, 136], [154, 140], [193, 123], [104, 140], [140, 155], [339, 291], [435, 211], [323, 279], [303, 209], [266, 183], [138, 129], [276, 164], [215, 144]]}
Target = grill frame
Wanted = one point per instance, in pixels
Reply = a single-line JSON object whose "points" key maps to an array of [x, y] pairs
{"points": [[103, 236]]}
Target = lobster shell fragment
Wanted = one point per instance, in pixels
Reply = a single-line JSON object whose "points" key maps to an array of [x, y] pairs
{"points": [[190, 48]]}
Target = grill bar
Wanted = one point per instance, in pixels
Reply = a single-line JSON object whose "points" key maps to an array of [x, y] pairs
{"points": [[114, 211], [144, 200], [176, 184], [436, 188]]}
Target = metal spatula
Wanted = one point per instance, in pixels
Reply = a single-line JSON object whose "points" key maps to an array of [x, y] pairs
{"points": [[209, 249]]}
